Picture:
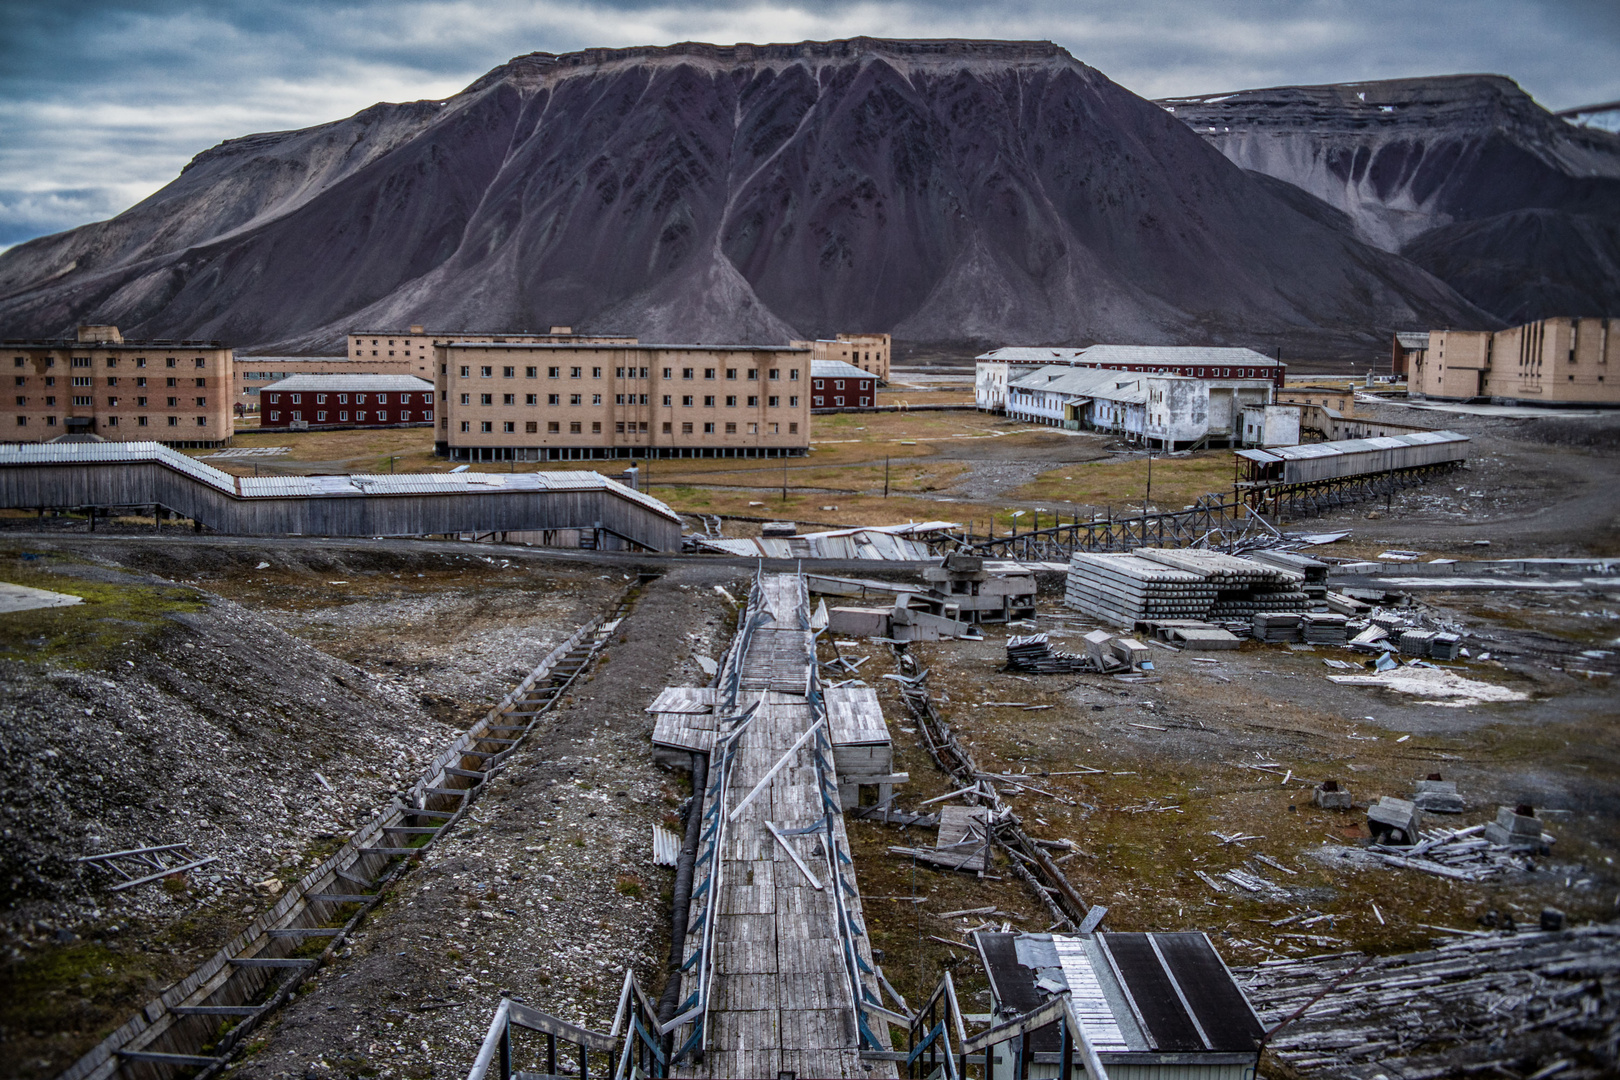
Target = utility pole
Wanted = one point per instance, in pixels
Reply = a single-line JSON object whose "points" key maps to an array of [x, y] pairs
{"points": [[1149, 496], [784, 479], [885, 477]]}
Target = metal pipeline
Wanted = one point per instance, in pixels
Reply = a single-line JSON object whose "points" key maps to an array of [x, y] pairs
{"points": [[670, 1000]]}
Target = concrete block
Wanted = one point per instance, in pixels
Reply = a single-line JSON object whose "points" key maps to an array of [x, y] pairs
{"points": [[1516, 827], [1394, 821], [858, 622], [1329, 795], [1097, 646], [967, 564], [1130, 651], [1437, 796]]}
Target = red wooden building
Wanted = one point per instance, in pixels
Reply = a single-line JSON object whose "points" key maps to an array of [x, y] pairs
{"points": [[837, 385], [307, 402]]}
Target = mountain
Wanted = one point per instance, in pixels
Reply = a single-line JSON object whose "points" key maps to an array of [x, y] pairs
{"points": [[949, 192], [1465, 175]]}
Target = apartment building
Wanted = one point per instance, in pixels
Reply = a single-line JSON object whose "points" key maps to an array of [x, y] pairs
{"points": [[315, 402], [173, 392], [254, 373], [413, 350], [544, 401], [869, 352], [1554, 362]]}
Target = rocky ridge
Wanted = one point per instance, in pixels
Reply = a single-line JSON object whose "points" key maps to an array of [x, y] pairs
{"points": [[947, 192]]}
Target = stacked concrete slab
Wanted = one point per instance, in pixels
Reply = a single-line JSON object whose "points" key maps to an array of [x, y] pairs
{"points": [[1125, 589], [979, 590]]}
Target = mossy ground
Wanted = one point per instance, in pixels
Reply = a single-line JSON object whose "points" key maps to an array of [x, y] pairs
{"points": [[113, 617]]}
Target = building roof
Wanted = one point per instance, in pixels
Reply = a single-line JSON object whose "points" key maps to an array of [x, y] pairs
{"points": [[641, 346], [133, 344], [1062, 379], [1133, 993], [301, 360], [1413, 340], [1132, 354], [409, 384], [837, 369]]}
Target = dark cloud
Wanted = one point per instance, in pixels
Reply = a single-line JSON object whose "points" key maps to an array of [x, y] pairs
{"points": [[101, 103]]}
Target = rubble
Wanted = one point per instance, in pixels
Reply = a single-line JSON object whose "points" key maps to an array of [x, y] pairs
{"points": [[1329, 795], [1518, 828], [1437, 796], [1394, 821]]}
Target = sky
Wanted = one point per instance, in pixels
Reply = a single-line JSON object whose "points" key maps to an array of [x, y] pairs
{"points": [[102, 102]]}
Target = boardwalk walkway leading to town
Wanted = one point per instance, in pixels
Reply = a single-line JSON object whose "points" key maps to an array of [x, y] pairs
{"points": [[780, 976]]}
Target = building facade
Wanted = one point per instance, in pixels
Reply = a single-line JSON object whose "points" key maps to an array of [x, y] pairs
{"points": [[1553, 362], [253, 373], [1160, 410], [869, 352], [1404, 350], [837, 385], [1341, 399], [533, 401], [1223, 368], [173, 392], [414, 348], [321, 402]]}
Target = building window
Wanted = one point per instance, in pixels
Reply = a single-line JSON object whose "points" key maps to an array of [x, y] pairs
{"points": [[753, 373], [708, 429], [731, 428], [202, 421], [793, 374], [819, 383], [112, 403], [172, 402], [573, 399], [772, 401], [866, 401], [486, 399], [320, 399], [793, 429], [360, 417], [838, 384], [686, 373], [618, 427], [816, 401], [553, 399], [573, 372], [596, 373], [596, 399], [427, 414], [668, 372], [618, 399], [80, 399], [83, 380], [793, 401], [466, 399], [686, 400], [553, 373], [202, 403], [509, 427], [753, 429], [774, 373], [464, 371], [466, 426], [708, 401], [753, 402], [275, 416], [774, 428], [485, 426], [668, 401], [596, 427], [508, 372], [573, 427], [668, 427], [708, 373], [838, 400], [686, 427], [382, 399], [486, 372], [81, 361], [731, 401], [508, 399]]}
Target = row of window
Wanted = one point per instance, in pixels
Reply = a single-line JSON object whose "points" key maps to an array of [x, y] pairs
{"points": [[771, 401], [112, 380], [359, 417], [819, 402], [112, 361], [620, 427], [487, 371], [112, 421], [343, 399], [112, 402]]}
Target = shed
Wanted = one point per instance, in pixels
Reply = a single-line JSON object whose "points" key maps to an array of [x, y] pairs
{"points": [[1155, 1006]]}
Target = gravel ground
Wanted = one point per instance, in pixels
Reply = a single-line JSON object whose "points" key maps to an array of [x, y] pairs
{"points": [[548, 894]]}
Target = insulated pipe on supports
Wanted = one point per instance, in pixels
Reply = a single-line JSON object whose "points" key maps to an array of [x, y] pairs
{"points": [[670, 1000]]}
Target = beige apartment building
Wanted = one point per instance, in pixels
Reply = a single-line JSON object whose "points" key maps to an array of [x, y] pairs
{"points": [[414, 350], [869, 352], [174, 392], [1555, 362], [533, 401]]}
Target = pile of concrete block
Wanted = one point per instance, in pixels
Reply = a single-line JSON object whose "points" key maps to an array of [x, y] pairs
{"points": [[1394, 821], [982, 590], [1518, 828], [1331, 795], [1323, 628]]}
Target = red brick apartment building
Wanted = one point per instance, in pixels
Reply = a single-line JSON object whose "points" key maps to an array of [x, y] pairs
{"points": [[837, 385]]}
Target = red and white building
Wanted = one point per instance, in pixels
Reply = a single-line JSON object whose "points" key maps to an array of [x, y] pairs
{"points": [[837, 385], [308, 402]]}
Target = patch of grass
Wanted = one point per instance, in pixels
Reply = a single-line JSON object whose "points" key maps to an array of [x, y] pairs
{"points": [[111, 616], [628, 885], [1177, 482]]}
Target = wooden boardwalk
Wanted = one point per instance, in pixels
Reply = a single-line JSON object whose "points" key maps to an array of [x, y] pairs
{"points": [[784, 982]]}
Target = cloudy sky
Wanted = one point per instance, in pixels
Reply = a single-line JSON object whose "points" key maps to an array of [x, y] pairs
{"points": [[104, 101]]}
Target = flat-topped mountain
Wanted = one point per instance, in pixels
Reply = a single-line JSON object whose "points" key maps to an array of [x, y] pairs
{"points": [[1466, 175], [950, 192]]}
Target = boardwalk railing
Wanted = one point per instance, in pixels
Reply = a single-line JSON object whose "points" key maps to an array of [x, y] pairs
{"points": [[710, 863], [936, 1039], [1074, 1047], [632, 1049]]}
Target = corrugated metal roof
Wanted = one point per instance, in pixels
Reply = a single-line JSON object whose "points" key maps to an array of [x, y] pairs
{"points": [[837, 369], [362, 383], [273, 487], [1413, 340], [620, 345], [1133, 354]]}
